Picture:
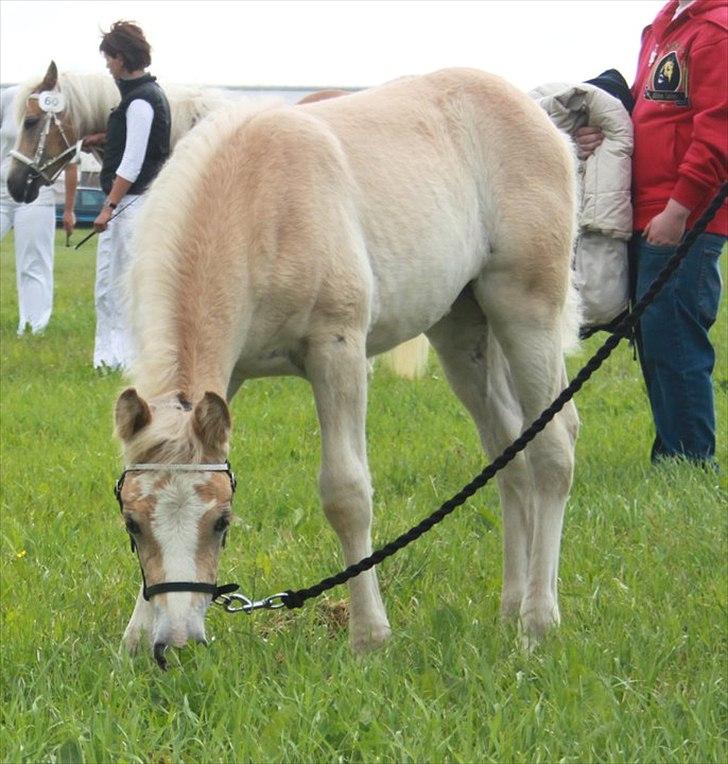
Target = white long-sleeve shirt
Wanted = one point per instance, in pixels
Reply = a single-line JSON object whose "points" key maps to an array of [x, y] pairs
{"points": [[139, 116]]}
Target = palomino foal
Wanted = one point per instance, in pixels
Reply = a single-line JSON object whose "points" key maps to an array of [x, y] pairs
{"points": [[300, 240]]}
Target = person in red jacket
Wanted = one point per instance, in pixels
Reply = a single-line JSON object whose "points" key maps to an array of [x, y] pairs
{"points": [[680, 161]]}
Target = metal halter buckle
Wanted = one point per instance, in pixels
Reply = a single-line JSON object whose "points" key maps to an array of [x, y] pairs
{"points": [[226, 601]]}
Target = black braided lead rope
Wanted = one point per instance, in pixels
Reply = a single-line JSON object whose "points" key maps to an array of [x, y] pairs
{"points": [[296, 599]]}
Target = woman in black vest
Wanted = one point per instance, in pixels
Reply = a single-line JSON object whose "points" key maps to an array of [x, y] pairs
{"points": [[136, 145]]}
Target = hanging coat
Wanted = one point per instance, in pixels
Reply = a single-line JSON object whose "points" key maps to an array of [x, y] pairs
{"points": [[605, 214]]}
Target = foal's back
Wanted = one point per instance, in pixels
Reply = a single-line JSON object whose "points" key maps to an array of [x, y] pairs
{"points": [[454, 173], [376, 208]]}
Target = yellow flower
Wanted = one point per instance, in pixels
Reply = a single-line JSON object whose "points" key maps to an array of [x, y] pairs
{"points": [[21, 554]]}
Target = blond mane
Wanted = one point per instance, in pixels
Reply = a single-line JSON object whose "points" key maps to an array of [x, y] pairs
{"points": [[162, 252], [90, 98], [190, 104]]}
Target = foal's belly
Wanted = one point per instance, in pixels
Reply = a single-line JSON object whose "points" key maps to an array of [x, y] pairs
{"points": [[407, 302], [394, 327]]}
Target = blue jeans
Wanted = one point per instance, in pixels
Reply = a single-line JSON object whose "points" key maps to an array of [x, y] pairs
{"points": [[676, 354]]}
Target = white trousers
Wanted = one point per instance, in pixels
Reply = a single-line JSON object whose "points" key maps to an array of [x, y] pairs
{"points": [[35, 226], [113, 344]]}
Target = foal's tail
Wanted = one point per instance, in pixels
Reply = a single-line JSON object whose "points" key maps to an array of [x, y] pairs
{"points": [[408, 360], [571, 318]]}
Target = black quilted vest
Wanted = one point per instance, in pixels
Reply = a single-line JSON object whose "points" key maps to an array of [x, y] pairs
{"points": [[146, 89]]}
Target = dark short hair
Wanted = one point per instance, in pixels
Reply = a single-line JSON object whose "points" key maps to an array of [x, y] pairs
{"points": [[614, 83], [126, 39]]}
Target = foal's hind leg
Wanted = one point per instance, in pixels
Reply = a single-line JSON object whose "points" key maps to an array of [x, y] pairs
{"points": [[527, 323], [336, 366], [476, 369]]}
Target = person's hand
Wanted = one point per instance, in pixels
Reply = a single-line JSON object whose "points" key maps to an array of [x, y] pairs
{"points": [[587, 139], [69, 222], [95, 140], [667, 228], [103, 219]]}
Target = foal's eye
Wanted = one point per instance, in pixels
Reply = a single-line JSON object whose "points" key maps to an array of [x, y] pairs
{"points": [[222, 524], [132, 526], [28, 122]]}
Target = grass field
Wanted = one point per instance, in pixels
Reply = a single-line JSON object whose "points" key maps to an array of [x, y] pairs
{"points": [[636, 673]]}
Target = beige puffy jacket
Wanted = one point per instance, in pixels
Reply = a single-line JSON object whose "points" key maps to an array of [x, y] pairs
{"points": [[605, 217]]}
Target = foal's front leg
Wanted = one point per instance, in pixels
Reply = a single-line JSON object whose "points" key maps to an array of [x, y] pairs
{"points": [[142, 619], [336, 366]]}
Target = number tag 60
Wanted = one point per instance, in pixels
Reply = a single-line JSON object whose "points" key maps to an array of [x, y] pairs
{"points": [[51, 101]]}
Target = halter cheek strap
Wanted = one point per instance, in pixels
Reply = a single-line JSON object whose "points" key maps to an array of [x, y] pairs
{"points": [[176, 586]]}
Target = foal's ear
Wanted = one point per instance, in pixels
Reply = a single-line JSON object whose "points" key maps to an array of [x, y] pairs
{"points": [[131, 414], [51, 77], [211, 422]]}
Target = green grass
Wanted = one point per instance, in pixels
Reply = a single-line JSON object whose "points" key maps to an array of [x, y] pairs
{"points": [[637, 671]]}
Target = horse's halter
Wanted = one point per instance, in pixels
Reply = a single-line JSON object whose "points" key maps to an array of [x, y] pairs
{"points": [[52, 103], [177, 586]]}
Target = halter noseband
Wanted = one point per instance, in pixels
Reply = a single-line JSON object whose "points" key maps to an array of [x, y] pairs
{"points": [[176, 586], [52, 103]]}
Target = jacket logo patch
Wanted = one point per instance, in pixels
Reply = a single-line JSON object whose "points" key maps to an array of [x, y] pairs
{"points": [[668, 81]]}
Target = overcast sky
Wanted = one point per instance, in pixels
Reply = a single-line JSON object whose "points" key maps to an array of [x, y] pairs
{"points": [[332, 42]]}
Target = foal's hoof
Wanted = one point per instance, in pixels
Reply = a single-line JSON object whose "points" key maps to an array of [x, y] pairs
{"points": [[130, 640], [510, 608], [365, 640], [535, 623]]}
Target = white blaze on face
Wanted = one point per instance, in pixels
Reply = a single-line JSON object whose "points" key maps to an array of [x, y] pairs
{"points": [[175, 526]]}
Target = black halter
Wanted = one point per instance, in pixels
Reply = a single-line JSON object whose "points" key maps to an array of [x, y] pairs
{"points": [[176, 586]]}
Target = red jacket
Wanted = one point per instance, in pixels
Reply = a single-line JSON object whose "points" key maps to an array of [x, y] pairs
{"points": [[681, 112]]}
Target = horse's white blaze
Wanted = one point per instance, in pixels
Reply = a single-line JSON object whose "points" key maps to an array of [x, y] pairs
{"points": [[175, 526]]}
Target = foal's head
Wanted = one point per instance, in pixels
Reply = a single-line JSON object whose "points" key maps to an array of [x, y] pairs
{"points": [[175, 497], [46, 140]]}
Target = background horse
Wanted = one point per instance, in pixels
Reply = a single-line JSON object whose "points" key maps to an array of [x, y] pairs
{"points": [[300, 240], [88, 100]]}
